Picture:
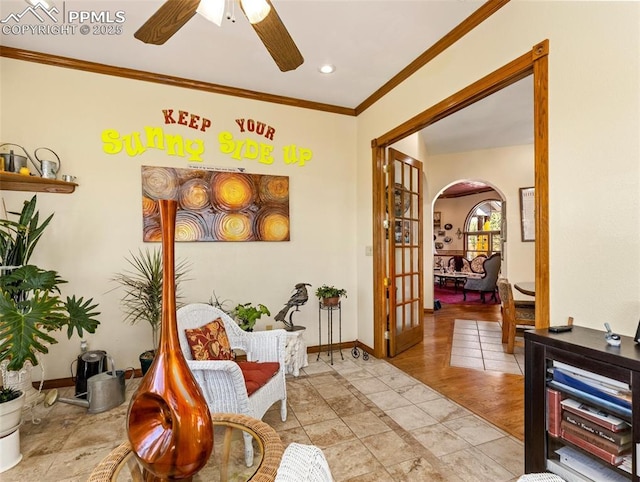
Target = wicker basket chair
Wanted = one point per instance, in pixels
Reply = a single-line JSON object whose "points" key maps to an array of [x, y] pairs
{"points": [[221, 381], [303, 463]]}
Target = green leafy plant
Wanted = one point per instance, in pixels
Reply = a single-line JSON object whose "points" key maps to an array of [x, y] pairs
{"points": [[326, 291], [31, 306], [247, 314], [19, 238], [9, 393], [142, 283]]}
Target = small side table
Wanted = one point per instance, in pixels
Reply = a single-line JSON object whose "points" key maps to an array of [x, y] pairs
{"points": [[329, 310], [295, 352]]}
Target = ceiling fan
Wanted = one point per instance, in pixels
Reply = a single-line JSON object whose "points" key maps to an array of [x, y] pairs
{"points": [[264, 19]]}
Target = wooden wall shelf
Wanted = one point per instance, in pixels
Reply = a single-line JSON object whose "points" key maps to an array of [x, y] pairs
{"points": [[10, 181]]}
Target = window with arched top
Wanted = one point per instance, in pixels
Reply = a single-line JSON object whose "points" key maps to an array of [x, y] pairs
{"points": [[483, 229]]}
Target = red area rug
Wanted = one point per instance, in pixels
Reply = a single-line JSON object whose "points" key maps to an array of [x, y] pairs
{"points": [[447, 295]]}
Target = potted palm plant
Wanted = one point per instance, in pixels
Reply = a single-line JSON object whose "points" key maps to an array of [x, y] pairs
{"points": [[330, 295], [31, 305], [142, 299]]}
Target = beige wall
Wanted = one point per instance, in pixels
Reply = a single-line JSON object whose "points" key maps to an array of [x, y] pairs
{"points": [[594, 161], [95, 228]]}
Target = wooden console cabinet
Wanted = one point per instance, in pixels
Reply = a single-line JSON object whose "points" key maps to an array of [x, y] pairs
{"points": [[585, 349]]}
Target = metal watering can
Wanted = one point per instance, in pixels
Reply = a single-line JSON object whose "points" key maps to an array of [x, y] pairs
{"points": [[48, 169], [13, 162], [105, 391]]}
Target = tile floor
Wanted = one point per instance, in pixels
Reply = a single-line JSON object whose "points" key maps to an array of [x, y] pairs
{"points": [[373, 422], [478, 345]]}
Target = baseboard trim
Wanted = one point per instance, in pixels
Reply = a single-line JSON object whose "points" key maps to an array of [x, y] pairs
{"points": [[70, 382]]}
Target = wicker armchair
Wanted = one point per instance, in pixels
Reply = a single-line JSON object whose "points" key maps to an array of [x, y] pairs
{"points": [[303, 463], [221, 381]]}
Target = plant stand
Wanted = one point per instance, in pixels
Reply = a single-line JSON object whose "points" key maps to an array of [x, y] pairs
{"points": [[329, 309]]}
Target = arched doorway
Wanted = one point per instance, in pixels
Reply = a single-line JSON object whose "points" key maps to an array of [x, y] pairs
{"points": [[470, 229]]}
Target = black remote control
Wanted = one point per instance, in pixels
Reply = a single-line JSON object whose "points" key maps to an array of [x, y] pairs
{"points": [[560, 328]]}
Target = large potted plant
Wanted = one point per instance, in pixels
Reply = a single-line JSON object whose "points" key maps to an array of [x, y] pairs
{"points": [[330, 295], [31, 305], [142, 299]]}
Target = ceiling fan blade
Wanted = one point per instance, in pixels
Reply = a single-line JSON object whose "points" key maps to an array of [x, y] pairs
{"points": [[276, 39], [167, 20]]}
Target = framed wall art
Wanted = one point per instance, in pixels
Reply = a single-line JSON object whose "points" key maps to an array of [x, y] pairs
{"points": [[217, 205], [527, 214], [436, 219]]}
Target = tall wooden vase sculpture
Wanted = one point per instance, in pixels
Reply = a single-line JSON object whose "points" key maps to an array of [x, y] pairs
{"points": [[169, 424]]}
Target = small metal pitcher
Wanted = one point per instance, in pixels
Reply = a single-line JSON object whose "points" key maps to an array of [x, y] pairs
{"points": [[49, 169]]}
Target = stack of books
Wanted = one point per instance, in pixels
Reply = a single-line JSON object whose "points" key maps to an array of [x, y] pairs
{"points": [[592, 428]]}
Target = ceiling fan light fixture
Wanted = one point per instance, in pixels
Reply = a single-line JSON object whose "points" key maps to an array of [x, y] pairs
{"points": [[212, 10], [255, 10], [327, 69]]}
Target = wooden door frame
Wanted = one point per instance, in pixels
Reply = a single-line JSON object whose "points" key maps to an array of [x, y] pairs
{"points": [[534, 62]]}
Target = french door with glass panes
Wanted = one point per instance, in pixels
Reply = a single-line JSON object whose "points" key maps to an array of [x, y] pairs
{"points": [[404, 280]]}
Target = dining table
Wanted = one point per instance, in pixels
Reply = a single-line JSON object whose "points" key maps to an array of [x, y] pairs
{"points": [[526, 287]]}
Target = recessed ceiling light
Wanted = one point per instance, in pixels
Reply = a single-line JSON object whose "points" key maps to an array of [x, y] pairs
{"points": [[327, 69]]}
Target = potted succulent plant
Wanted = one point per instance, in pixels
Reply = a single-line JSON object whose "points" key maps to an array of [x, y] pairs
{"points": [[11, 403], [247, 314], [31, 306], [142, 299], [330, 295]]}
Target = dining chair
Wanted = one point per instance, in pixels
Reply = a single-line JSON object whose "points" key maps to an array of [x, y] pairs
{"points": [[515, 314]]}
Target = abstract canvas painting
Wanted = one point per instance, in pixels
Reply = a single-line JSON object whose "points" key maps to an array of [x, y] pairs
{"points": [[217, 205]]}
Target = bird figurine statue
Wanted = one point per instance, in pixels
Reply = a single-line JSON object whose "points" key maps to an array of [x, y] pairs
{"points": [[299, 298]]}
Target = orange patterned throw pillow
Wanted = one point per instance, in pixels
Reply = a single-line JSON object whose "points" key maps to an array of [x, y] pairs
{"points": [[209, 342]]}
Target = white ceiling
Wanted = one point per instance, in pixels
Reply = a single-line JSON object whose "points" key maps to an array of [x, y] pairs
{"points": [[369, 41]]}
